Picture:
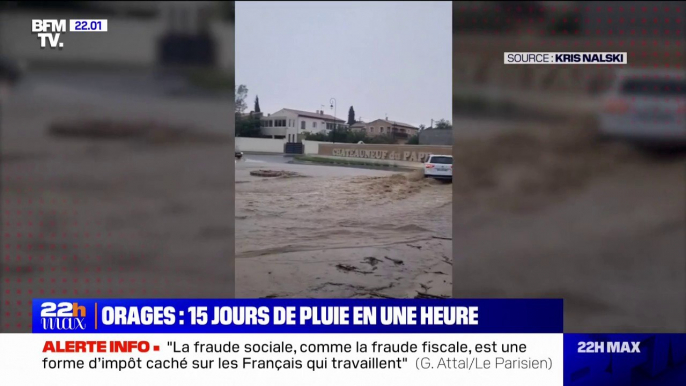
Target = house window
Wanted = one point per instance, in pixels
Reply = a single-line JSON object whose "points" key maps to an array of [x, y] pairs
{"points": [[302, 125], [314, 124], [371, 129], [380, 129]]}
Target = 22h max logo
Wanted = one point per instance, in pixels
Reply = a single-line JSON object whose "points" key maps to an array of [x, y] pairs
{"points": [[63, 316]]}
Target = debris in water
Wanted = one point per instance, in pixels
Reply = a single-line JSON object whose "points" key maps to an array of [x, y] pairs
{"points": [[371, 260], [351, 268], [396, 261], [273, 173], [424, 295], [372, 294]]}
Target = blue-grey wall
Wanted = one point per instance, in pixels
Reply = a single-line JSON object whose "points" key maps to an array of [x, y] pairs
{"points": [[436, 137]]}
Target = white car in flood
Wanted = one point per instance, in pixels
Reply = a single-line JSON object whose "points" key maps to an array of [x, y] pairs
{"points": [[439, 167], [646, 107]]}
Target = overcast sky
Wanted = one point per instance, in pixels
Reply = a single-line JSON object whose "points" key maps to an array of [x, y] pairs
{"points": [[382, 58]]}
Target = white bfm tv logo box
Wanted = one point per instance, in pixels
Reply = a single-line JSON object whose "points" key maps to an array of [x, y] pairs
{"points": [[566, 58], [49, 30]]}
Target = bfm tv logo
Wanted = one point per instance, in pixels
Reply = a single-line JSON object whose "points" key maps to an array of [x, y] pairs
{"points": [[63, 316], [48, 31]]}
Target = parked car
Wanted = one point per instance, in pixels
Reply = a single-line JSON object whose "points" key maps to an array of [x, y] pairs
{"points": [[439, 167], [239, 154], [646, 107]]}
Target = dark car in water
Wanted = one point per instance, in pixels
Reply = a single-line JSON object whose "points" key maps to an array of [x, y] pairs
{"points": [[239, 154]]}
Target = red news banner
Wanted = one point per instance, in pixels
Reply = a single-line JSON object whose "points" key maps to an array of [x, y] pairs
{"points": [[91, 346]]}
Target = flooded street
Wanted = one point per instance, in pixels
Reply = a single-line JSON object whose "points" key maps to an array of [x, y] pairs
{"points": [[115, 217], [340, 232], [546, 211]]}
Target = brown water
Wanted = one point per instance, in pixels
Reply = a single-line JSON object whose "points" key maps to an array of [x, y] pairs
{"points": [[84, 217], [341, 232], [549, 211]]}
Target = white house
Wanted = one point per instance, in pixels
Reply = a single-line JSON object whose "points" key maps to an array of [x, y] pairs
{"points": [[293, 124]]}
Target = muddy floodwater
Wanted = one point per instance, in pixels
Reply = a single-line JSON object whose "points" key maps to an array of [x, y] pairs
{"points": [[326, 231], [91, 215], [548, 211]]}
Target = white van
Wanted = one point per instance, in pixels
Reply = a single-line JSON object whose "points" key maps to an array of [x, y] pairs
{"points": [[439, 167]]}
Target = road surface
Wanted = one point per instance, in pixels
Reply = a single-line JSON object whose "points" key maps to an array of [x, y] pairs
{"points": [[111, 218], [340, 232]]}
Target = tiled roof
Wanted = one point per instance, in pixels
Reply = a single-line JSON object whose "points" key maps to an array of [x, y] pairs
{"points": [[315, 115], [398, 123]]}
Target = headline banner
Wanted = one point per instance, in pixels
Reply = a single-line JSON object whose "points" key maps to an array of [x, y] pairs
{"points": [[395, 316], [484, 341]]}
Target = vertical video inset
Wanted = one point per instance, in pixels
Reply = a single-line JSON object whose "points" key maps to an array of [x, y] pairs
{"points": [[116, 139], [343, 149], [569, 179]]}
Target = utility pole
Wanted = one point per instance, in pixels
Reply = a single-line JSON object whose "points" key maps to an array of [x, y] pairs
{"points": [[335, 107]]}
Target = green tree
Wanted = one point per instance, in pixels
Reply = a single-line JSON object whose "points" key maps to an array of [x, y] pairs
{"points": [[241, 92], [257, 104], [382, 139], [347, 135], [351, 116], [248, 126], [321, 137], [413, 140], [444, 125], [566, 24], [228, 11]]}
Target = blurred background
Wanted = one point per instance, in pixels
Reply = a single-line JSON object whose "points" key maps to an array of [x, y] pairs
{"points": [[570, 178], [115, 172]]}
